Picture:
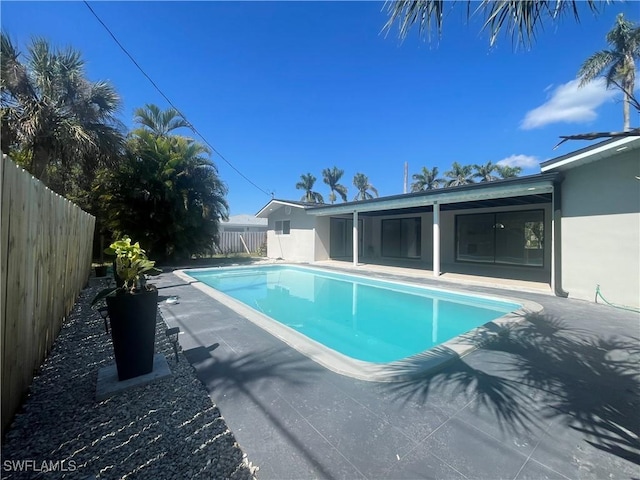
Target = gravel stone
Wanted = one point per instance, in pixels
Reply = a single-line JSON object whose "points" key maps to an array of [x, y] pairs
{"points": [[164, 430]]}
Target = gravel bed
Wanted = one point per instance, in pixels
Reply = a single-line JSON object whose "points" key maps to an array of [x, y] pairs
{"points": [[164, 430]]}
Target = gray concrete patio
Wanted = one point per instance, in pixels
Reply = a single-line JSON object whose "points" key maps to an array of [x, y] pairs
{"points": [[556, 398]]}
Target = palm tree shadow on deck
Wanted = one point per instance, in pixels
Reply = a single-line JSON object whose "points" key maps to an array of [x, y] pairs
{"points": [[238, 372], [543, 370], [241, 376]]}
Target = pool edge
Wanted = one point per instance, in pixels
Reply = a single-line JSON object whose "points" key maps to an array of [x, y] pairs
{"points": [[401, 370]]}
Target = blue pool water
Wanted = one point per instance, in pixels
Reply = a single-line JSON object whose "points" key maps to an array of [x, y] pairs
{"points": [[362, 318]]}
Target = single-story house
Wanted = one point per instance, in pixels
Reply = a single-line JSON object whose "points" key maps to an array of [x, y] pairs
{"points": [[574, 226]]}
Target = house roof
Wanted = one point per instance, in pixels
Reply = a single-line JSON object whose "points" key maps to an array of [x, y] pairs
{"points": [[245, 220], [591, 153], [527, 190], [275, 204], [511, 191]]}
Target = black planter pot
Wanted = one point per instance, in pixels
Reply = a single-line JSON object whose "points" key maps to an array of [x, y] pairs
{"points": [[133, 330], [118, 280]]}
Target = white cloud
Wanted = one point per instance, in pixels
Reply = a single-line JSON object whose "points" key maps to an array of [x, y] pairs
{"points": [[524, 161], [569, 103]]}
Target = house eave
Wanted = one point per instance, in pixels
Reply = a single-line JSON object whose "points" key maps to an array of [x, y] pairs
{"points": [[591, 154], [274, 205], [522, 186]]}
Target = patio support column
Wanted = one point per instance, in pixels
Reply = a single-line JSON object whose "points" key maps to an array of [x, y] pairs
{"points": [[556, 242], [355, 238], [436, 239]]}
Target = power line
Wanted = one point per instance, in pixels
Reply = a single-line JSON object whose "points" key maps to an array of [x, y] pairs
{"points": [[189, 124]]}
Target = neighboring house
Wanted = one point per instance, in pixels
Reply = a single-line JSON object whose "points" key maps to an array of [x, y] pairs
{"points": [[574, 226], [243, 223], [242, 234]]}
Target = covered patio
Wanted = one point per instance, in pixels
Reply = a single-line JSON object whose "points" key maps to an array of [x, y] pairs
{"points": [[503, 231]]}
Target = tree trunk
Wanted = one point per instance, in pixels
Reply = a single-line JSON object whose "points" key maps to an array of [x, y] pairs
{"points": [[628, 84], [625, 112], [40, 163]]}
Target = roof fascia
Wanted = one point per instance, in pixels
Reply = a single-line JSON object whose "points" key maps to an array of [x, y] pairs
{"points": [[533, 184], [593, 153], [268, 208]]}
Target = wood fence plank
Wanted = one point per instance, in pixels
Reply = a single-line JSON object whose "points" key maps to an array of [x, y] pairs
{"points": [[230, 242], [45, 260], [9, 175]]}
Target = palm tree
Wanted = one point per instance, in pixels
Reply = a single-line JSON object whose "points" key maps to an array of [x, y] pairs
{"points": [[306, 183], [426, 180], [166, 192], [485, 172], [521, 18], [459, 175], [506, 171], [160, 122], [361, 182], [617, 63], [331, 176], [64, 125]]}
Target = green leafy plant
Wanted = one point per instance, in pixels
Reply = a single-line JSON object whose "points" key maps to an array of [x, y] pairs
{"points": [[132, 267]]}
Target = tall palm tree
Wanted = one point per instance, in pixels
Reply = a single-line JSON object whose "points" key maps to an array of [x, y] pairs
{"points": [[485, 172], [331, 176], [63, 123], [166, 192], [361, 182], [521, 18], [426, 180], [459, 175], [617, 63], [306, 183], [160, 122], [506, 171]]}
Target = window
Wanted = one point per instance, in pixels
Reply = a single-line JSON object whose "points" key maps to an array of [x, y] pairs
{"points": [[401, 237], [509, 238], [283, 227]]}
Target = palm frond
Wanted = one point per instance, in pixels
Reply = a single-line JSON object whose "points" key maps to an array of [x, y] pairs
{"points": [[160, 122], [407, 13], [634, 132], [595, 65], [521, 19]]}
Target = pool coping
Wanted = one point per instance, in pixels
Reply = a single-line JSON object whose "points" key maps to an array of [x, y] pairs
{"points": [[425, 362]]}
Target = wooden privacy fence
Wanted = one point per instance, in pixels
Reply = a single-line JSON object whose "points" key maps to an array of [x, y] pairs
{"points": [[45, 260], [231, 242]]}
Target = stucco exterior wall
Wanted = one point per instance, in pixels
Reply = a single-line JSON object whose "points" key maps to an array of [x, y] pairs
{"points": [[321, 238], [601, 230], [299, 244]]}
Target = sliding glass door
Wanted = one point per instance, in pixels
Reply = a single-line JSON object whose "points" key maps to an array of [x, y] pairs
{"points": [[341, 237], [510, 238], [401, 237]]}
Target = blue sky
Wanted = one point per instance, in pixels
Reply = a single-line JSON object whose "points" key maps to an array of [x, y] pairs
{"points": [[285, 88]]}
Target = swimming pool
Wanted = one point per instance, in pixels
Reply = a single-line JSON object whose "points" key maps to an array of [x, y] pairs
{"points": [[355, 319]]}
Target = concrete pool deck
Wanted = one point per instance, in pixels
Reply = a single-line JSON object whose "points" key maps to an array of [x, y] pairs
{"points": [[556, 398]]}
